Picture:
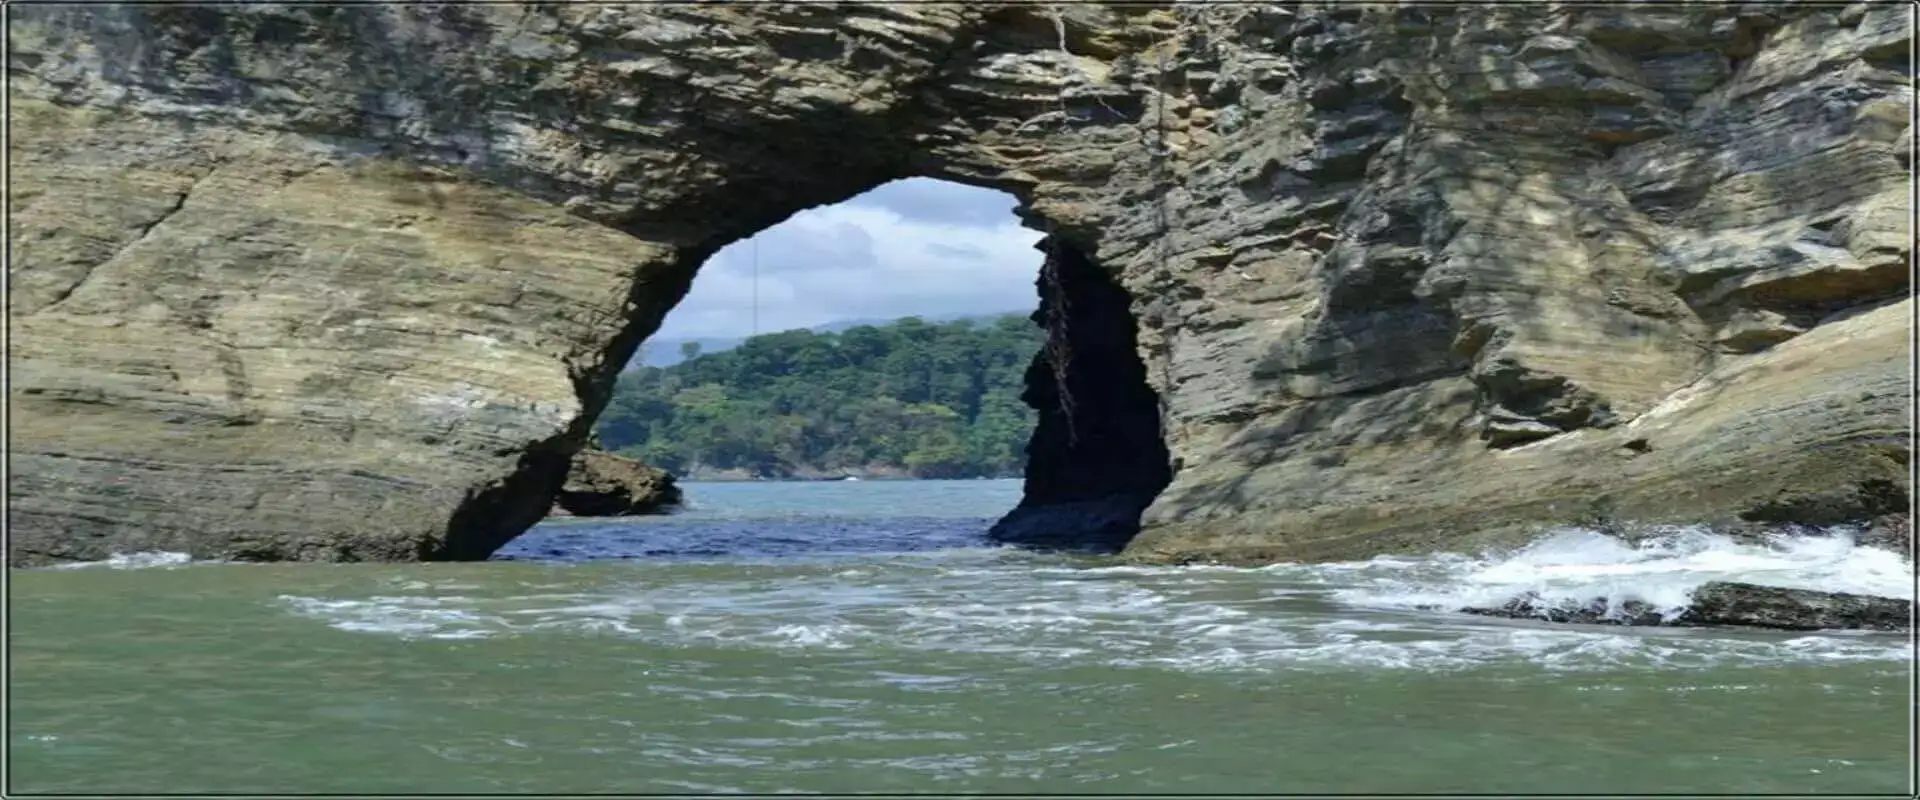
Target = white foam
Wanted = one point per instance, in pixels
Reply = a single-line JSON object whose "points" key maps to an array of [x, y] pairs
{"points": [[833, 637], [1578, 566], [409, 616], [1358, 615], [141, 560]]}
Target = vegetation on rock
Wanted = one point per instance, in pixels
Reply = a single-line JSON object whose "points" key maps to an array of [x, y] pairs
{"points": [[909, 398]]}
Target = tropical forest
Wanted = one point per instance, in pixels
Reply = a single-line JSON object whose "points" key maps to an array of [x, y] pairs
{"points": [[908, 399]]}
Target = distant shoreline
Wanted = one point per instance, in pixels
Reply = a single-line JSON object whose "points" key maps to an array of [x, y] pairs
{"points": [[843, 479]]}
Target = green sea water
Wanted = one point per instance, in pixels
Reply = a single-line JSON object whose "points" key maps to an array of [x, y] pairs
{"points": [[863, 637]]}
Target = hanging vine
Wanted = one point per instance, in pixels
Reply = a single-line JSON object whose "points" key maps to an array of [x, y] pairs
{"points": [[1058, 349]]}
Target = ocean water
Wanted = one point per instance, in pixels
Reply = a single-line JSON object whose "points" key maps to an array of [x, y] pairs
{"points": [[863, 636]]}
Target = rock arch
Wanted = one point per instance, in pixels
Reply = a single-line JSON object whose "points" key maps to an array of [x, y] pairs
{"points": [[352, 282], [462, 227]]}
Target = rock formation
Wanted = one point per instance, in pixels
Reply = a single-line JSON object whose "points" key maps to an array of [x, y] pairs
{"points": [[601, 484], [1728, 603], [352, 282], [1890, 532]]}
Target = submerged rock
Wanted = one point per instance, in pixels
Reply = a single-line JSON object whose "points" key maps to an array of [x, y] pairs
{"points": [[1590, 612], [602, 484], [1597, 611], [1724, 603]]}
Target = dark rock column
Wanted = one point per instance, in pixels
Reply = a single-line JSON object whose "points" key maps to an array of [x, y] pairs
{"points": [[1096, 459]]}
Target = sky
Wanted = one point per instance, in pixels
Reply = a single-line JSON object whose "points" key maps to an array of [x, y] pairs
{"points": [[911, 247]]}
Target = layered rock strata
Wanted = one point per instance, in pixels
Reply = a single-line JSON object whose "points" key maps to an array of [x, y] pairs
{"points": [[352, 282]]}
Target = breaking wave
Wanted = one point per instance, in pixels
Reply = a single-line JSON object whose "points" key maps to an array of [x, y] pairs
{"points": [[1043, 610], [1662, 571]]}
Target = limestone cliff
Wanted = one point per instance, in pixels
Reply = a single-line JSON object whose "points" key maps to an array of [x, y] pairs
{"points": [[352, 282], [1475, 269]]}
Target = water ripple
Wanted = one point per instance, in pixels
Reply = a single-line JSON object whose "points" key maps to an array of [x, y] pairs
{"points": [[1286, 617]]}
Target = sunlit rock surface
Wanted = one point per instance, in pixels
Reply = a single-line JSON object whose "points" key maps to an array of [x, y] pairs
{"points": [[352, 282]]}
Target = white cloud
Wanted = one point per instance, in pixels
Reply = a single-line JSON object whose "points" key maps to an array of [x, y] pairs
{"points": [[929, 200], [913, 247]]}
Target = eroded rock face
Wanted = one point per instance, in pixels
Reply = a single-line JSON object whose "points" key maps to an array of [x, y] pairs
{"points": [[1459, 271], [353, 282], [602, 484]]}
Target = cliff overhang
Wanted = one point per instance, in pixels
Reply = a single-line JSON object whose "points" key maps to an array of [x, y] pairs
{"points": [[353, 282]]}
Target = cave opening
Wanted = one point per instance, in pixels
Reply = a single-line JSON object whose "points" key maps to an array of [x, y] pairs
{"points": [[416, 370], [882, 336], [922, 329]]}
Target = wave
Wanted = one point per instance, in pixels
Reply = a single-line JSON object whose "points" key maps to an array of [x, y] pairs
{"points": [[1018, 608], [1662, 571]]}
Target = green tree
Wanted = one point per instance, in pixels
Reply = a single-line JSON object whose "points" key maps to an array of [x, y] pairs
{"points": [[935, 400]]}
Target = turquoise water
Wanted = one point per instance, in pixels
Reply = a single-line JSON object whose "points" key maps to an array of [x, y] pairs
{"points": [[838, 637]]}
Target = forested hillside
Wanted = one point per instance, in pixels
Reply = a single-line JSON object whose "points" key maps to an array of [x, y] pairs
{"points": [[666, 352], [908, 398]]}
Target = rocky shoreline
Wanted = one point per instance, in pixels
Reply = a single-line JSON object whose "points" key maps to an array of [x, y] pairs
{"points": [[1324, 281]]}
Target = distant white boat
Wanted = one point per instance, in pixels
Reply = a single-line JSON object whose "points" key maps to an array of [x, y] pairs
{"points": [[850, 478]]}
